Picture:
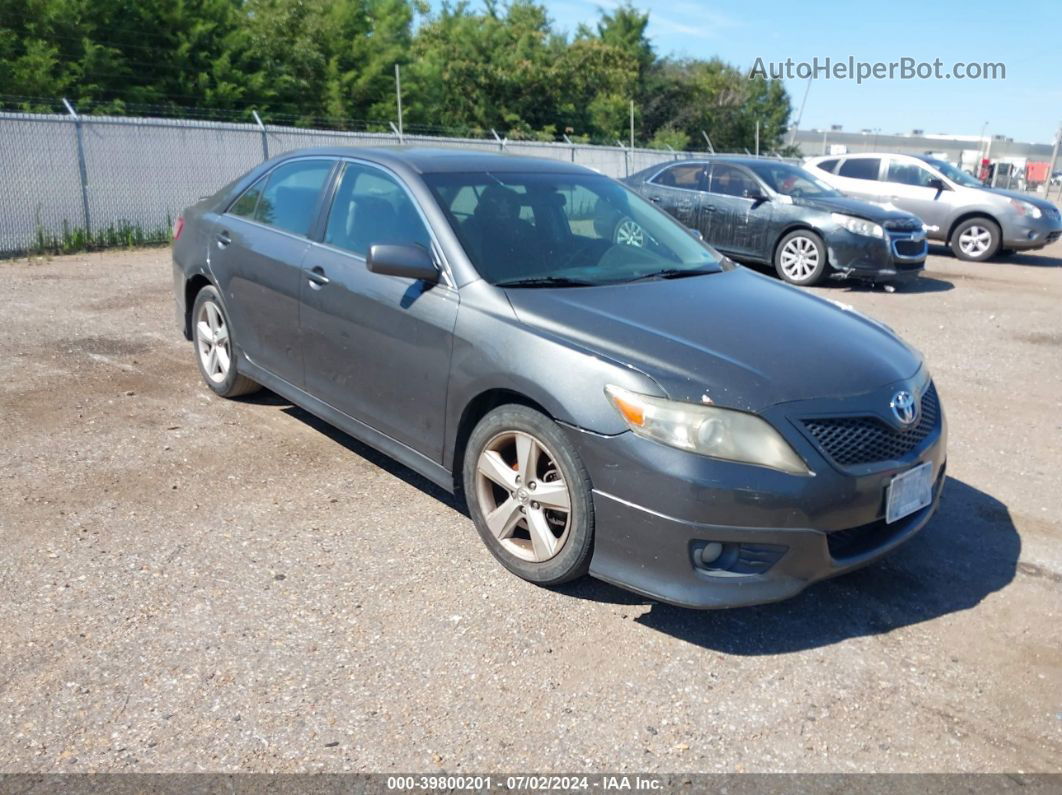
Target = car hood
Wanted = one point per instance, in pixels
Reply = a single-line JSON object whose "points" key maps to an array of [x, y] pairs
{"points": [[861, 209], [1043, 204], [735, 338]]}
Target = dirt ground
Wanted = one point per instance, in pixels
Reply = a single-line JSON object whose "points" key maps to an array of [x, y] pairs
{"points": [[190, 583]]}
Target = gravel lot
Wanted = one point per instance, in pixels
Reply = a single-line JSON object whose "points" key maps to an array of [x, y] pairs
{"points": [[190, 583]]}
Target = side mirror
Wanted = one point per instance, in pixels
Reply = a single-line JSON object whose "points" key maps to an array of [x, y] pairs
{"points": [[936, 183], [696, 233], [756, 195], [409, 262]]}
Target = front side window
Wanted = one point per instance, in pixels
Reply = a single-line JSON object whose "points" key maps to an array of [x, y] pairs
{"points": [[580, 229], [790, 180], [689, 176], [371, 207], [290, 196], [908, 174], [861, 168], [730, 181]]}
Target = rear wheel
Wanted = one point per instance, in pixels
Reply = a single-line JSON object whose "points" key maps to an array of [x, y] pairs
{"points": [[529, 495], [215, 352], [800, 258], [976, 239]]}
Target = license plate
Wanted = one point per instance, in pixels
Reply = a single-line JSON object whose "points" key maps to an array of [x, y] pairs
{"points": [[909, 492]]}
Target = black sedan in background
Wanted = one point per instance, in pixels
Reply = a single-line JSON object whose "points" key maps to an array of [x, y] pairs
{"points": [[771, 212]]}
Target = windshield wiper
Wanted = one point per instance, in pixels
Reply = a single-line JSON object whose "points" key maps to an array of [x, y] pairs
{"points": [[672, 273], [545, 281]]}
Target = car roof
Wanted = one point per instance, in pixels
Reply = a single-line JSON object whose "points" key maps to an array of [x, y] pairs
{"points": [[440, 160]]}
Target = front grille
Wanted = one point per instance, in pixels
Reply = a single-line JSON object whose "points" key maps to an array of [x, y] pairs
{"points": [[910, 248], [851, 441], [904, 225]]}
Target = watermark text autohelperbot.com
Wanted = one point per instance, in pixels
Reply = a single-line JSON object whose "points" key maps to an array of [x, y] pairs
{"points": [[901, 69]]}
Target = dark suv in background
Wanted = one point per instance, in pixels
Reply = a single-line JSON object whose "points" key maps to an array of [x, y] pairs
{"points": [[775, 213]]}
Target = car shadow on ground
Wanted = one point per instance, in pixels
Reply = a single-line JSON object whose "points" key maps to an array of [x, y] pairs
{"points": [[923, 284], [968, 551], [267, 398], [1036, 259]]}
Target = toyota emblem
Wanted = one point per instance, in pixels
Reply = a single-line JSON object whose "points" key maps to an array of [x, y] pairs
{"points": [[904, 407]]}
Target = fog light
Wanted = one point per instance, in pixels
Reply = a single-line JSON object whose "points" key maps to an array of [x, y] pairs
{"points": [[710, 553]]}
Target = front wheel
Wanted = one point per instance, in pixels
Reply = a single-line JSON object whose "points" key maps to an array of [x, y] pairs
{"points": [[629, 232], [975, 240], [800, 258], [529, 495]]}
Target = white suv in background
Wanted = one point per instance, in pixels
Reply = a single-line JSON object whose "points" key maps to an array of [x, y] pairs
{"points": [[978, 222]]}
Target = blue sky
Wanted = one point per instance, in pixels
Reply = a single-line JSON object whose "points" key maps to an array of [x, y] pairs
{"points": [[1026, 106]]}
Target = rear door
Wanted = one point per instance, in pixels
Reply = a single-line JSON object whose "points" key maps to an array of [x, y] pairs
{"points": [[678, 190], [738, 225], [256, 257], [859, 177], [377, 347]]}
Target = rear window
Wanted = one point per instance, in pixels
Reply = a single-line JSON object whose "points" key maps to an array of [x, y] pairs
{"points": [[827, 165], [686, 175], [861, 168]]}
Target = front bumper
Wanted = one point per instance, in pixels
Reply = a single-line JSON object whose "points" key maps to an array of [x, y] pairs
{"points": [[899, 257], [656, 507], [1025, 233]]}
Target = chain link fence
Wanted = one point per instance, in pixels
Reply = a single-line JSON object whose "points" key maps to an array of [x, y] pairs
{"points": [[71, 182]]}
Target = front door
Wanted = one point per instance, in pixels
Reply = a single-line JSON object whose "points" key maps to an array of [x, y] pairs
{"points": [[377, 347], [738, 224], [908, 187]]}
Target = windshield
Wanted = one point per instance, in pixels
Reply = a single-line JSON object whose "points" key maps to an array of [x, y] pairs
{"points": [[790, 180], [954, 174], [544, 229]]}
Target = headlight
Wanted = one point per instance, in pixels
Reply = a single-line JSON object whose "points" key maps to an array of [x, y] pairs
{"points": [[858, 226], [707, 430], [1026, 208]]}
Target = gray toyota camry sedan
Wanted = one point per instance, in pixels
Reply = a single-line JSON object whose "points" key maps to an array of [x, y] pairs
{"points": [[653, 415]]}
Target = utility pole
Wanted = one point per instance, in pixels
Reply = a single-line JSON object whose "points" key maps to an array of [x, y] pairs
{"points": [[1054, 159], [398, 96], [800, 116], [824, 134], [632, 124]]}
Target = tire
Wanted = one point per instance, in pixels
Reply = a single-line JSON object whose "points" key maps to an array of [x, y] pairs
{"points": [[216, 360], [542, 545], [800, 258], [975, 239], [628, 232]]}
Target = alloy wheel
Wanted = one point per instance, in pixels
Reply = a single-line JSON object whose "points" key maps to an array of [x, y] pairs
{"points": [[629, 233], [524, 498], [975, 241], [800, 258], [212, 339]]}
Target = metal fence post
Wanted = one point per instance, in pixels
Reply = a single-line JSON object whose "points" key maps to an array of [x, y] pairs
{"points": [[265, 139], [82, 171], [569, 141]]}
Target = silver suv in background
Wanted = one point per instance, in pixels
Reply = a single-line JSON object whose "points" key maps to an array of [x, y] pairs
{"points": [[976, 221]]}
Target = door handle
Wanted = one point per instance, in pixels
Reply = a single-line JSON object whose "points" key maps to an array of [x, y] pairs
{"points": [[317, 278], [223, 238], [710, 208], [654, 199]]}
